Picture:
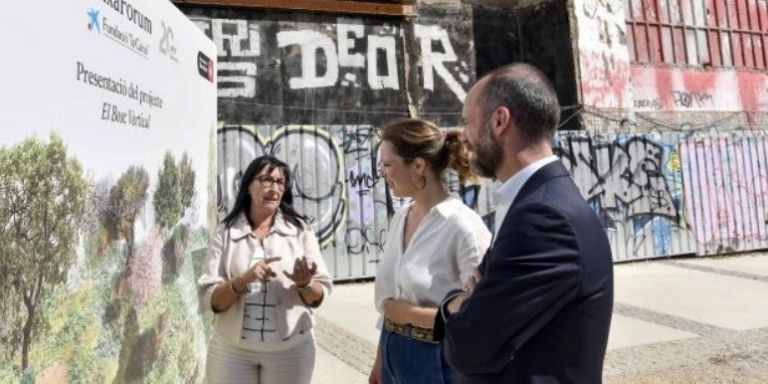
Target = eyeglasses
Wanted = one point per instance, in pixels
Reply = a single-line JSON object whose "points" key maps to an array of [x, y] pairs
{"points": [[268, 181]]}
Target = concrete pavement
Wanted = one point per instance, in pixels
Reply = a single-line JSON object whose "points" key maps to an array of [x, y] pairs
{"points": [[686, 320]]}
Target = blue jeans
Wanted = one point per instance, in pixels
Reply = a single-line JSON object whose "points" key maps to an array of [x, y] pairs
{"points": [[408, 361]]}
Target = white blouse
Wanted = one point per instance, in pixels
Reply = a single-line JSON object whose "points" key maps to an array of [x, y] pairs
{"points": [[259, 323], [443, 251]]}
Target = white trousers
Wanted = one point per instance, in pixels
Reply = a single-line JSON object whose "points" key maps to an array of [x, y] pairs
{"points": [[230, 364]]}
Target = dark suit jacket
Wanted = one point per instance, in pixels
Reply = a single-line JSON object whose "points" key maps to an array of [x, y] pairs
{"points": [[542, 310]]}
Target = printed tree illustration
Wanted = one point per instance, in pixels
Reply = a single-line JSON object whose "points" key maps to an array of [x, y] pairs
{"points": [[126, 199], [167, 199], [42, 199], [186, 182], [175, 190]]}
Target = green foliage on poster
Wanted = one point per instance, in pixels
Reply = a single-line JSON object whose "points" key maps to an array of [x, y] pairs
{"points": [[42, 199], [126, 199], [175, 190]]}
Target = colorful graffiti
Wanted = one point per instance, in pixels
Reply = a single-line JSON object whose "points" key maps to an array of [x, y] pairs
{"points": [[657, 194], [726, 186], [634, 183], [673, 193]]}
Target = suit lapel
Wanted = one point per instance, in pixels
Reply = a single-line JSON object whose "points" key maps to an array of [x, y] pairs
{"points": [[547, 172]]}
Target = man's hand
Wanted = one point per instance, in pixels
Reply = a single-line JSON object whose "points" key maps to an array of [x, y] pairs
{"points": [[455, 304], [472, 280]]}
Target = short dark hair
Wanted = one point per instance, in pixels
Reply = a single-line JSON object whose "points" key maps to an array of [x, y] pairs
{"points": [[243, 200], [529, 96]]}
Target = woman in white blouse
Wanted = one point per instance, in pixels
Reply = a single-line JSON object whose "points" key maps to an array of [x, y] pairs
{"points": [[263, 273], [433, 246]]}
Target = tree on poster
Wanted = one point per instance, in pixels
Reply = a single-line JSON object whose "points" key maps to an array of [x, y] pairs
{"points": [[126, 200], [42, 199]]}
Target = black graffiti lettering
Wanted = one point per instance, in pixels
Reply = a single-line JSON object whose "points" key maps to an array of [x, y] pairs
{"points": [[691, 99], [631, 183], [365, 240], [358, 141], [362, 181], [648, 103]]}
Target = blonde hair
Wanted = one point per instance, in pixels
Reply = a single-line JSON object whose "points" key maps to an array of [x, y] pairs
{"points": [[412, 138]]}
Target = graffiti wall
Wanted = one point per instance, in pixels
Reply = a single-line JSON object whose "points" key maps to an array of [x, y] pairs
{"points": [[312, 88], [304, 68], [634, 183], [662, 194], [107, 145], [658, 194], [691, 181]]}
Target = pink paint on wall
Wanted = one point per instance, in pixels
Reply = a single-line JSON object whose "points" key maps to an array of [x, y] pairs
{"points": [[724, 184], [604, 80], [683, 89]]}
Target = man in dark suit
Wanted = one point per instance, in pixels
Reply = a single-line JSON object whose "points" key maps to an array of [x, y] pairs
{"points": [[540, 307]]}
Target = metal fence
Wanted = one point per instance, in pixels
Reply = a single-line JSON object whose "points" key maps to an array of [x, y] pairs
{"points": [[657, 194]]}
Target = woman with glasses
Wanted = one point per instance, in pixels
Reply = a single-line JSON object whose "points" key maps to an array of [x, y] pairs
{"points": [[433, 246], [263, 273]]}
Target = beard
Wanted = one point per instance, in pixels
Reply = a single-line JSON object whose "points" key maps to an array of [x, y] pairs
{"points": [[486, 155]]}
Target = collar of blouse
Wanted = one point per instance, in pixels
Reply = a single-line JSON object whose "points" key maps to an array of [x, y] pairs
{"points": [[242, 228]]}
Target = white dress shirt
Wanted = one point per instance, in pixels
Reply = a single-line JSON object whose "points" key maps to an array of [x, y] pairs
{"points": [[443, 251], [505, 194]]}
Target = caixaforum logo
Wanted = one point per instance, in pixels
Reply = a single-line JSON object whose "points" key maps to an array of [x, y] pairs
{"points": [[107, 27], [205, 66], [93, 20]]}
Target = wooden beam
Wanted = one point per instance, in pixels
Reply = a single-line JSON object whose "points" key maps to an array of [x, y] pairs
{"points": [[401, 8]]}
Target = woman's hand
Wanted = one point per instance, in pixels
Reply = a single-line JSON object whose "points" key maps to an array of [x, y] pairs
{"points": [[375, 376], [397, 310], [261, 271], [302, 272], [404, 312]]}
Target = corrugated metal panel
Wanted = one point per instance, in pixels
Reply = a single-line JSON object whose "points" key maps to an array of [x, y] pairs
{"points": [[717, 33], [725, 186]]}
